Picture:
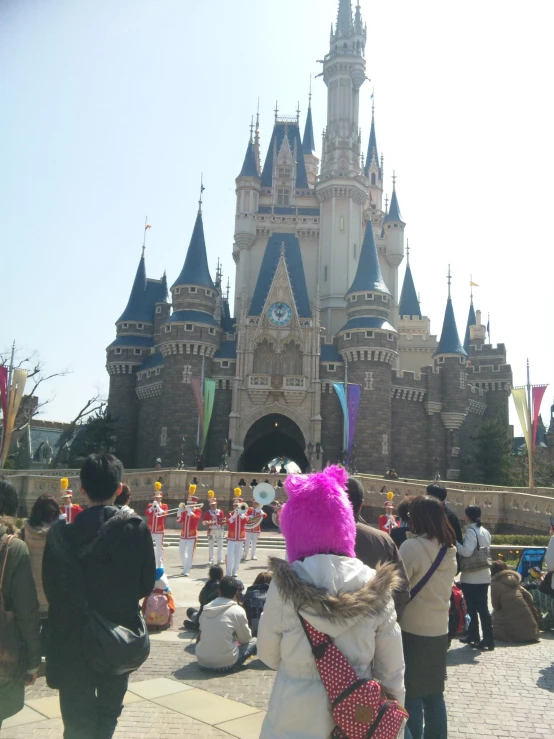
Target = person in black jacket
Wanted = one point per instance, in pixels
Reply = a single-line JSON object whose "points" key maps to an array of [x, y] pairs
{"points": [[437, 491], [254, 600], [209, 592], [110, 553]]}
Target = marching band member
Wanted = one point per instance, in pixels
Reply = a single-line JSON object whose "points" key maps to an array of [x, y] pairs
{"points": [[388, 522], [156, 513], [189, 516], [214, 518], [255, 516], [236, 520], [69, 511]]}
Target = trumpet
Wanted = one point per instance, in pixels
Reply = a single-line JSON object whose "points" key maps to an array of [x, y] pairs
{"points": [[182, 507]]}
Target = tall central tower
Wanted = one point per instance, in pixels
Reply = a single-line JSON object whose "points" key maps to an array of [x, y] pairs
{"points": [[342, 188]]}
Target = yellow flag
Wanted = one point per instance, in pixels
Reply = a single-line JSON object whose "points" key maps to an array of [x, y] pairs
{"points": [[519, 394], [473, 284]]}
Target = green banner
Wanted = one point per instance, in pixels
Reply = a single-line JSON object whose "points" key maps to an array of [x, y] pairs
{"points": [[209, 397]]}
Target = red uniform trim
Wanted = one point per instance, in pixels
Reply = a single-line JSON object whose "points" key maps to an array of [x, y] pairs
{"points": [[156, 524], [236, 528]]}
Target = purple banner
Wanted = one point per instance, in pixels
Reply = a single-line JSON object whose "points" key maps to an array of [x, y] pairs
{"points": [[354, 392]]}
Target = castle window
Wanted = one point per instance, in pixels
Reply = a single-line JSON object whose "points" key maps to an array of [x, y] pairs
{"points": [[373, 182], [390, 337], [140, 325], [283, 197], [158, 370], [167, 329], [396, 225], [285, 172], [325, 273], [189, 327], [342, 223], [177, 291], [332, 367], [369, 296], [369, 334], [158, 309], [125, 325], [138, 351], [347, 336], [211, 331], [230, 337], [149, 374], [118, 350], [316, 220], [262, 218], [225, 364], [304, 220], [193, 290]]}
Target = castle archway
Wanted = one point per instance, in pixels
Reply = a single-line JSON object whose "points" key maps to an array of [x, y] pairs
{"points": [[272, 435]]}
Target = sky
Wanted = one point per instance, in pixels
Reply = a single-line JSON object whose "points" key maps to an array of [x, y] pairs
{"points": [[112, 109]]}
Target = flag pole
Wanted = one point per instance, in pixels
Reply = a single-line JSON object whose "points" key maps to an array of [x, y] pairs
{"points": [[530, 451]]}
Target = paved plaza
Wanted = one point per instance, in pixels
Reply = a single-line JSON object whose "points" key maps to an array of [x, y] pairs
{"points": [[507, 693]]}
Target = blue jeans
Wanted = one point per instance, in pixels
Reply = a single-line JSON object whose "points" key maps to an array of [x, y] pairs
{"points": [[430, 710], [245, 651]]}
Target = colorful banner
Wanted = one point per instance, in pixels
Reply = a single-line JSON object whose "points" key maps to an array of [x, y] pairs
{"points": [[537, 395], [354, 394], [196, 383], [519, 394], [339, 389], [209, 397], [14, 401]]}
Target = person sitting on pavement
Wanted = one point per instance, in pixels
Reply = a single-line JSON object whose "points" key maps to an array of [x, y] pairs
{"points": [[254, 600], [437, 491], [374, 547], [225, 641], [209, 592], [514, 617]]}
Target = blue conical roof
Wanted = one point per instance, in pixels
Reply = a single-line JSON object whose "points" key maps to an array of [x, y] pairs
{"points": [[450, 341], [195, 270], [409, 304], [308, 142], [250, 166], [471, 321], [372, 149], [394, 210], [368, 276], [135, 310]]}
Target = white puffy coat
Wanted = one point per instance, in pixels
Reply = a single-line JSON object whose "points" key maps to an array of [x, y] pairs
{"points": [[341, 597]]}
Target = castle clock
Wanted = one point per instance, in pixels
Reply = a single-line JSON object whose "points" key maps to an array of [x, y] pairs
{"points": [[280, 314]]}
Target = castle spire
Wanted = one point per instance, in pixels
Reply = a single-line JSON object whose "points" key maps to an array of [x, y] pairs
{"points": [[471, 321], [450, 341], [368, 275], [195, 269], [250, 165], [344, 18], [393, 214], [372, 146], [409, 301], [257, 140], [308, 142], [134, 310]]}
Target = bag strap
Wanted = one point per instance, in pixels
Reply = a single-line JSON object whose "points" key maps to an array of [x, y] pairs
{"points": [[425, 579], [4, 550]]}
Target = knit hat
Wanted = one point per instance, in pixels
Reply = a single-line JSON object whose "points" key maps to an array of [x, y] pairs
{"points": [[318, 517]]}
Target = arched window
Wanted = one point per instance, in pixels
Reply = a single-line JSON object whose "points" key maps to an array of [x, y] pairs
{"points": [[291, 359], [373, 179], [264, 358]]}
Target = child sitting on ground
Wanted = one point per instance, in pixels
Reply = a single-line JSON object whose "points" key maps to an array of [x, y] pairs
{"points": [[225, 641], [158, 607]]}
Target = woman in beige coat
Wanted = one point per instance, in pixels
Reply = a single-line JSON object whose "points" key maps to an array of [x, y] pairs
{"points": [[514, 617]]}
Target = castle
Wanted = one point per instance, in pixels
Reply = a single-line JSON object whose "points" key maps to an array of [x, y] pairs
{"points": [[317, 250]]}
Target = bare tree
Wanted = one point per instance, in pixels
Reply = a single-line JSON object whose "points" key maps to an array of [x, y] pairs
{"points": [[92, 405], [37, 374]]}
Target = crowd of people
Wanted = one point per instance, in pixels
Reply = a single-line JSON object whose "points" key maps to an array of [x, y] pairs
{"points": [[355, 615]]}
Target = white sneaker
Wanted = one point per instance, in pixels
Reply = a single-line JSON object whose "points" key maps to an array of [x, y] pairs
{"points": [[210, 561], [255, 558], [185, 574]]}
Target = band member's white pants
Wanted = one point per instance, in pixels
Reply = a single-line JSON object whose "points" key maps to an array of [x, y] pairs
{"points": [[216, 537], [186, 550], [158, 540], [251, 543], [234, 554]]}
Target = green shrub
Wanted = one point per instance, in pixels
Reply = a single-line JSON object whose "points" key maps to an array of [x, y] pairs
{"points": [[521, 540]]}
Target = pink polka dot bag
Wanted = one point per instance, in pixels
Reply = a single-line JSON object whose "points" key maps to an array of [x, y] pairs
{"points": [[360, 707]]}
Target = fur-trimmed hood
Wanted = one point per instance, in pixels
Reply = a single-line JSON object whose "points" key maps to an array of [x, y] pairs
{"points": [[333, 592], [507, 578]]}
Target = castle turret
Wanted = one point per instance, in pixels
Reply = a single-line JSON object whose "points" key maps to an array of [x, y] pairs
{"points": [[471, 321], [450, 357], [368, 346], [308, 148], [189, 339], [373, 170], [393, 226]]}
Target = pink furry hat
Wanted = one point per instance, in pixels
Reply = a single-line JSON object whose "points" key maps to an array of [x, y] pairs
{"points": [[317, 517]]}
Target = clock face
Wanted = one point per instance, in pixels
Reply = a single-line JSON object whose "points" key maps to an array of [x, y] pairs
{"points": [[280, 314]]}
